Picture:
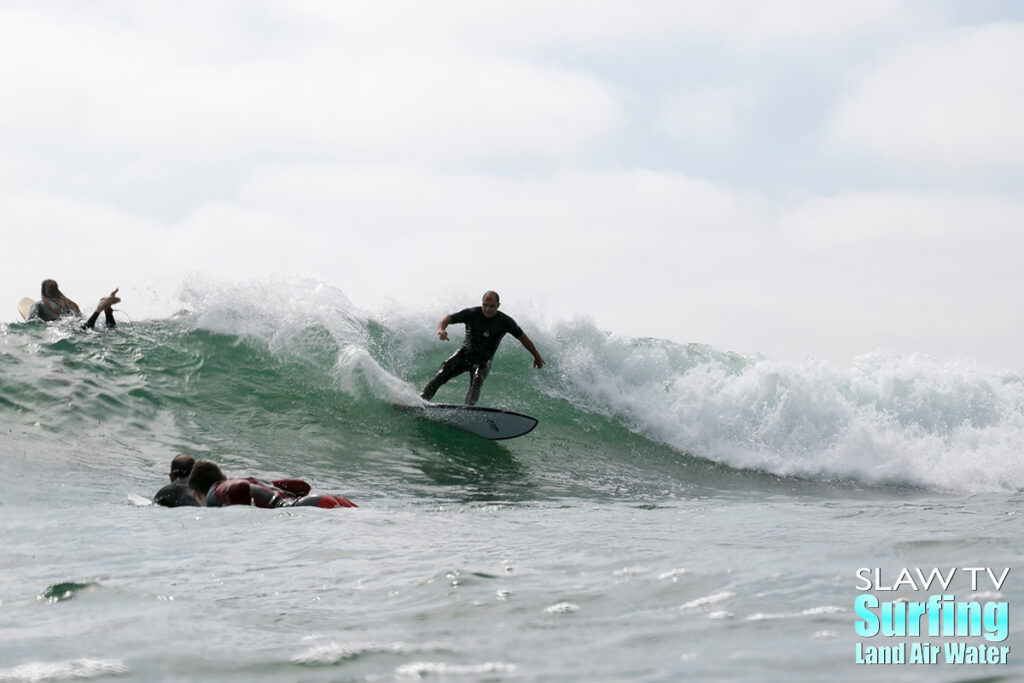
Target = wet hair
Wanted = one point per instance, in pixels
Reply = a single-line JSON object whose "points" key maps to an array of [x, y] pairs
{"points": [[55, 302], [181, 466], [497, 299], [50, 290], [204, 475]]}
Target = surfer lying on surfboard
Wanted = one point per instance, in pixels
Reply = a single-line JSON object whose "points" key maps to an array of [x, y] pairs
{"points": [[54, 305], [212, 489], [177, 493], [485, 327]]}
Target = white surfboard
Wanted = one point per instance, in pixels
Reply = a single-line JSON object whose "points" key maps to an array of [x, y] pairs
{"points": [[24, 306], [489, 423]]}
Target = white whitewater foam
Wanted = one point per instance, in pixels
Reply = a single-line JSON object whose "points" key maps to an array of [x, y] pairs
{"points": [[561, 608], [890, 418], [279, 312], [62, 671], [443, 669], [333, 653], [708, 600]]}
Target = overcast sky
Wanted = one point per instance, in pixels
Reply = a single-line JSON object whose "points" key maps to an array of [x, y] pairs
{"points": [[792, 178]]}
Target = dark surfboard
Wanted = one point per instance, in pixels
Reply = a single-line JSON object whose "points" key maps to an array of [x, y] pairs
{"points": [[489, 423]]}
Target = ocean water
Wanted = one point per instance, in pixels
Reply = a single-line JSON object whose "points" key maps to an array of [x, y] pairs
{"points": [[680, 513]]}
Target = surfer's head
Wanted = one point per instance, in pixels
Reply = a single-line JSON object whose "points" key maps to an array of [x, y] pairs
{"points": [[181, 466], [204, 475], [489, 304], [51, 290]]}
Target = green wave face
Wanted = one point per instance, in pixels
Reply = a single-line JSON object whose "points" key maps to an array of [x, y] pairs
{"points": [[311, 406], [308, 386]]}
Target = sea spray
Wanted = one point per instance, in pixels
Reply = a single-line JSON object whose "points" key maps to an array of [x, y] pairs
{"points": [[890, 418]]}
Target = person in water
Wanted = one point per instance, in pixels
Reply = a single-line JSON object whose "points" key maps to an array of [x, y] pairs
{"points": [[177, 493], [212, 489], [54, 305], [485, 326]]}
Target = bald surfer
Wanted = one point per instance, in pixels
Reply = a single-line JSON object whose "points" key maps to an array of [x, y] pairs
{"points": [[485, 327]]}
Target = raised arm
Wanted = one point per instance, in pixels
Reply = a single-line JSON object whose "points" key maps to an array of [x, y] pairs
{"points": [[104, 307], [538, 362], [108, 301]]}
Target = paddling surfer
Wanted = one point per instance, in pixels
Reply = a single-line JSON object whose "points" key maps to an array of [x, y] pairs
{"points": [[211, 488], [177, 493], [54, 305], [485, 326]]}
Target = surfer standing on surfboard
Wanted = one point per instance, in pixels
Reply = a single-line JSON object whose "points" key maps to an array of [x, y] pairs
{"points": [[54, 305], [485, 326]]}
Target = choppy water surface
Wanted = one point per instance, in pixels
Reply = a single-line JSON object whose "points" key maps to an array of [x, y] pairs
{"points": [[679, 512]]}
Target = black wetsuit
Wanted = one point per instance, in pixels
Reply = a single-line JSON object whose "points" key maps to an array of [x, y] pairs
{"points": [[175, 494], [91, 322], [483, 335], [41, 311]]}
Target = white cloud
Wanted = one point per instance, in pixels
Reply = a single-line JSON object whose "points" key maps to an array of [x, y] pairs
{"points": [[440, 106], [446, 81], [952, 102], [98, 88], [891, 221], [609, 26], [709, 115], [910, 271]]}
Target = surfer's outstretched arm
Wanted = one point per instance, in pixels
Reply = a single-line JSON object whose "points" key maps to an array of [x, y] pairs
{"points": [[538, 362], [442, 326]]}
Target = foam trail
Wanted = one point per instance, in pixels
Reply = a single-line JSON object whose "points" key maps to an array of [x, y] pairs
{"points": [[358, 373]]}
